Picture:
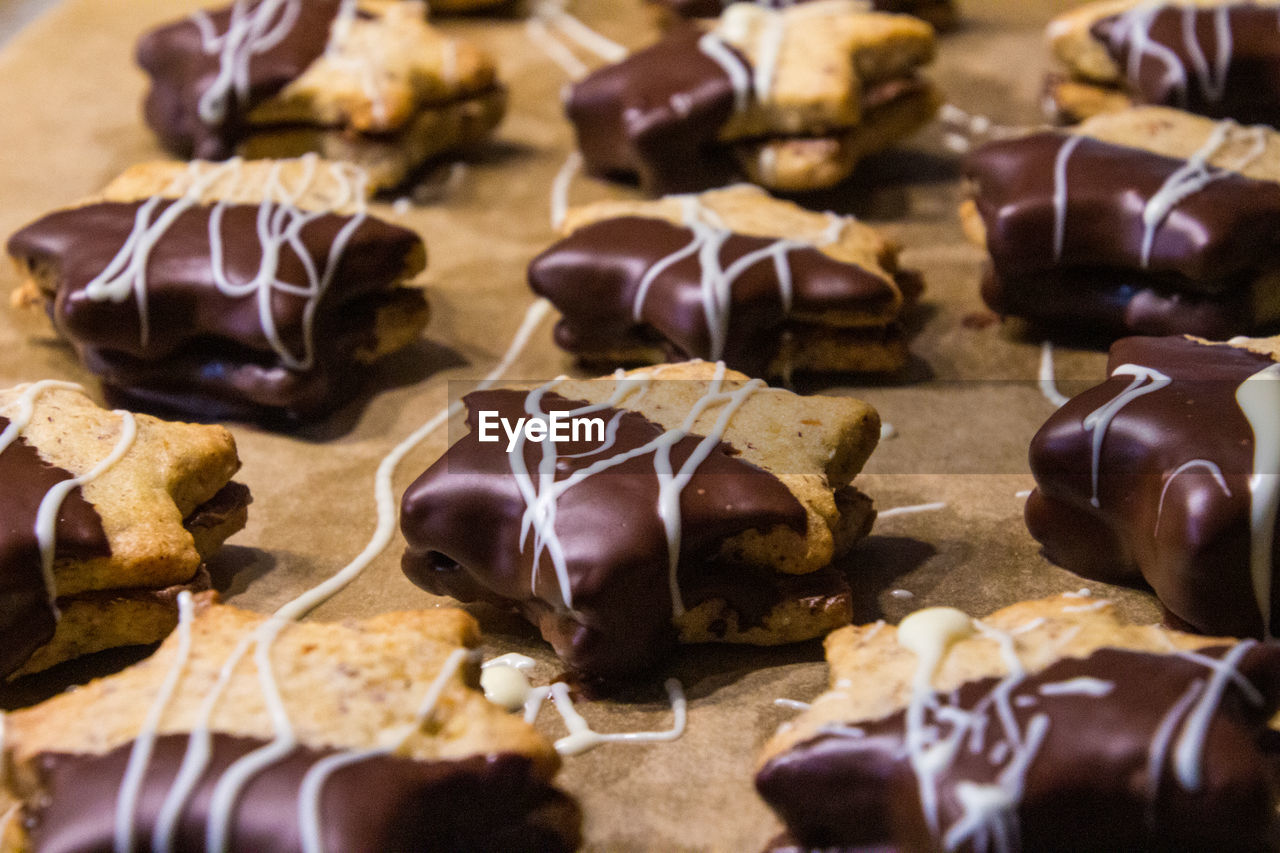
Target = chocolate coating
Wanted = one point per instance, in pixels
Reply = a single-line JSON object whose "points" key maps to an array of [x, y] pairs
{"points": [[593, 275], [205, 349], [656, 115], [1250, 91], [713, 8], [1088, 786], [384, 802], [1185, 535], [27, 614], [462, 521], [182, 70], [1207, 256]]}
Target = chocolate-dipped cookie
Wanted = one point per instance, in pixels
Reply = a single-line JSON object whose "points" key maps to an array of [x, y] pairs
{"points": [[1218, 58], [765, 286], [368, 735], [1048, 725], [700, 507], [364, 81], [1150, 221], [940, 13], [107, 517], [791, 98], [258, 289], [1164, 474]]}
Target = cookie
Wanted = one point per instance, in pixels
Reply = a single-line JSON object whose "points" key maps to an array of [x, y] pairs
{"points": [[109, 516], [1161, 475], [736, 545], [370, 83], [791, 99], [237, 289], [1048, 725], [940, 13], [1218, 58], [1149, 221], [734, 275], [390, 745]]}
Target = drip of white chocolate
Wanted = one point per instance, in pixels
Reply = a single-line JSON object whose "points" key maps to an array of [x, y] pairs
{"points": [[254, 29], [1145, 380]]}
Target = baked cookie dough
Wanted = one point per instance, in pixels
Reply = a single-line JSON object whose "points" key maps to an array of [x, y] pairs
{"points": [[1163, 475], [107, 517], [390, 746], [1219, 58], [1149, 221], [239, 289], [1048, 725], [939, 13], [734, 275], [705, 509], [370, 83], [791, 99]]}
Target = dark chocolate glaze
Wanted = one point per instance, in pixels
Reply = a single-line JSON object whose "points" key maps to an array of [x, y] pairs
{"points": [[1211, 249], [593, 275], [494, 802], [713, 8], [204, 344], [181, 72], [1197, 557], [1088, 786], [27, 614], [1252, 86], [462, 522], [656, 115]]}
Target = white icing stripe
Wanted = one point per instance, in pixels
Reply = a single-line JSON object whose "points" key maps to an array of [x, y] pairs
{"points": [[716, 282], [1188, 751], [1213, 81], [253, 30], [911, 510], [1192, 177], [554, 13], [769, 51], [515, 660], [738, 72], [560, 188], [1134, 27], [1082, 686], [1159, 748], [792, 704], [198, 751], [1060, 194], [310, 792], [1048, 387], [1211, 467], [538, 32], [279, 224], [1096, 423], [582, 737], [1259, 399], [143, 745]]}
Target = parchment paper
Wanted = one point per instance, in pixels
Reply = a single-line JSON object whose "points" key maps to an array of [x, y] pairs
{"points": [[69, 121]]}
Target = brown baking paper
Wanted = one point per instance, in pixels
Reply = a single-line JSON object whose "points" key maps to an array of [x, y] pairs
{"points": [[69, 121]]}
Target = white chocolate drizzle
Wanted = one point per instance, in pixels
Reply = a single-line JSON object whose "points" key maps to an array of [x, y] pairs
{"points": [[1145, 380], [279, 224], [1060, 194], [1048, 387], [541, 499], [989, 818], [792, 704], [253, 29], [560, 188], [582, 737], [1134, 27], [911, 510], [550, 17], [716, 282], [19, 413], [1259, 399], [1191, 464], [738, 72]]}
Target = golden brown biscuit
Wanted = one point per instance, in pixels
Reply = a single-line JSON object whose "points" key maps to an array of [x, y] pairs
{"points": [[148, 502], [419, 755], [1218, 58], [791, 97], [754, 521], [948, 730], [115, 273], [940, 13], [798, 291], [371, 83]]}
